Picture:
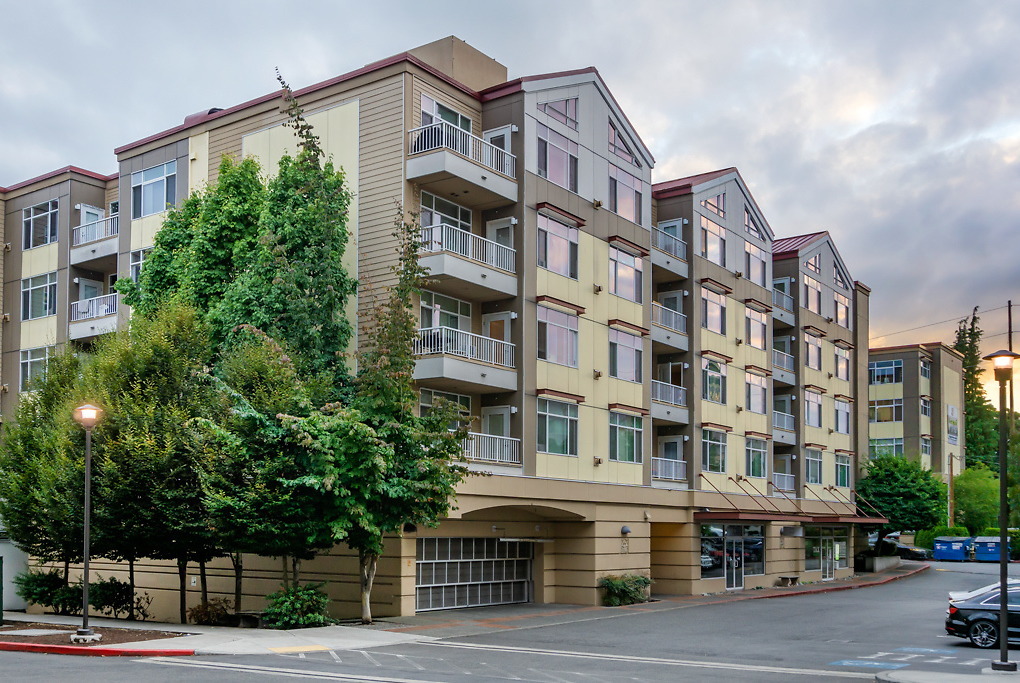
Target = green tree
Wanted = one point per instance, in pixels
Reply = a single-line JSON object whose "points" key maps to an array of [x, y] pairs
{"points": [[976, 498], [981, 434], [909, 496]]}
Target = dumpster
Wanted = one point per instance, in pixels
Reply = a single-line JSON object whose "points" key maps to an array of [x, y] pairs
{"points": [[952, 548], [986, 548]]}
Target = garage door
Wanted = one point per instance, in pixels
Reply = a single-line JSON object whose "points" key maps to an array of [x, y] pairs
{"points": [[472, 572]]}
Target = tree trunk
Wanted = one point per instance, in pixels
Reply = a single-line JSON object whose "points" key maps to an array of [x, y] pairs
{"points": [[367, 563], [238, 578], [295, 563], [204, 581], [131, 580], [67, 570], [286, 573], [182, 576]]}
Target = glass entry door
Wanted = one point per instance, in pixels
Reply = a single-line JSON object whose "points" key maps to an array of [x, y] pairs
{"points": [[734, 563], [828, 558]]}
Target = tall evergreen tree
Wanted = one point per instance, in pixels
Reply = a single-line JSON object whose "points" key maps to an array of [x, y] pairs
{"points": [[980, 423]]}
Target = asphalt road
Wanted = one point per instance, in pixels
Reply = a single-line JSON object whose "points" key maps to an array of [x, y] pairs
{"points": [[846, 635]]}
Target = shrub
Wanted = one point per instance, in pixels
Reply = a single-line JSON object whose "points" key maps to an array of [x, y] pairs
{"points": [[926, 538], [111, 596], [215, 612], [1014, 540], [298, 607], [68, 599], [39, 588], [624, 590]]}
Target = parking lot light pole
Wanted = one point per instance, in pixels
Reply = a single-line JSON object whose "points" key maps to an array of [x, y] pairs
{"points": [[1002, 361], [87, 416]]}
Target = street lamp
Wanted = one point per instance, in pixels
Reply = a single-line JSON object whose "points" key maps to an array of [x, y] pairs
{"points": [[1002, 361], [87, 416]]}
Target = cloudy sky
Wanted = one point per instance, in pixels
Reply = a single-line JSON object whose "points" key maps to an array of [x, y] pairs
{"points": [[895, 125]]}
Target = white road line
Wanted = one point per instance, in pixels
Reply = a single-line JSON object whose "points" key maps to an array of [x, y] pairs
{"points": [[410, 661], [655, 660], [336, 657], [276, 671], [369, 657]]}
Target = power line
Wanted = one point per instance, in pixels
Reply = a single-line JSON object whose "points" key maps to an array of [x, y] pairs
{"points": [[941, 322]]}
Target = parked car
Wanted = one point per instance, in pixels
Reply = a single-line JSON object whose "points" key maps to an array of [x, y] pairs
{"points": [[706, 561], [976, 618], [912, 552], [966, 595], [891, 536]]}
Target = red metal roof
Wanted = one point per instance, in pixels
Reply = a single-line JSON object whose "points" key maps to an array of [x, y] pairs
{"points": [[789, 247], [53, 174], [681, 186]]}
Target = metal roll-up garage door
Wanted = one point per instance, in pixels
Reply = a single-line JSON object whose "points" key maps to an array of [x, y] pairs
{"points": [[472, 572]]}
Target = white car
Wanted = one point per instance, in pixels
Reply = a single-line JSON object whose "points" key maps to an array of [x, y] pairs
{"points": [[967, 595]]}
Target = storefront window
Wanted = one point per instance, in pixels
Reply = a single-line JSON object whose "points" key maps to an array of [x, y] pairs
{"points": [[733, 546]]}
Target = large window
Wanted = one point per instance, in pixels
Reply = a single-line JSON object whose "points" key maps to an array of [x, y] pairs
{"points": [[756, 328], [838, 278], [625, 274], [438, 310], [885, 410], [842, 416], [751, 226], [33, 365], [624, 355], [153, 189], [812, 409], [713, 241], [39, 296], [814, 264], [733, 545], [716, 204], [754, 263], [713, 450], [713, 311], [624, 437], [619, 146], [557, 427], [757, 391], [926, 407], [925, 368], [137, 260], [825, 539], [713, 380], [843, 471], [756, 451], [842, 310], [812, 295], [557, 158], [564, 111], [812, 352], [39, 224], [925, 446], [433, 111], [625, 194], [557, 336], [427, 403], [557, 246], [842, 357], [813, 466], [436, 210], [877, 447], [885, 372]]}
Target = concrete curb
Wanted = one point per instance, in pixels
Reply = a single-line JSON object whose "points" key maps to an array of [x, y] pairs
{"points": [[92, 651], [843, 587]]}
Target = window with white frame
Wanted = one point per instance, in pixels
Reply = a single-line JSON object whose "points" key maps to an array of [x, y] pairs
{"points": [[625, 274], [842, 310], [438, 310], [557, 427], [716, 204], [756, 451], [564, 111], [842, 416], [618, 146], [433, 111], [926, 407], [812, 294], [713, 311], [756, 396], [625, 437], [39, 224], [813, 466], [925, 368], [427, 403], [814, 264], [751, 226], [842, 358], [756, 328], [137, 261], [885, 372], [713, 450], [625, 194], [33, 365], [880, 447], [925, 446], [812, 409], [713, 380], [557, 246], [885, 410], [754, 262], [39, 296], [843, 471], [153, 189], [557, 158], [436, 210], [713, 241], [557, 336], [624, 355], [812, 351], [838, 278]]}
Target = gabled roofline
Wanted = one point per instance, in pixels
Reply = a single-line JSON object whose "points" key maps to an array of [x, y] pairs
{"points": [[57, 172], [791, 247], [691, 184]]}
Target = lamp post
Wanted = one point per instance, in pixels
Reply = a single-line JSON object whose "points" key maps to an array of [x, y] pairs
{"points": [[87, 416], [1002, 361]]}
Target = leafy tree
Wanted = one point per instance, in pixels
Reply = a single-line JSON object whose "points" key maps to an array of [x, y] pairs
{"points": [[909, 496], [980, 423], [976, 498]]}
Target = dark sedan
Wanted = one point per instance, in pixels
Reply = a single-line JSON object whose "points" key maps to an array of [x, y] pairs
{"points": [[976, 618], [912, 552]]}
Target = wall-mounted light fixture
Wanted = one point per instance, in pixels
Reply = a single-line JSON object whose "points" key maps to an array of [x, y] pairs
{"points": [[625, 530]]}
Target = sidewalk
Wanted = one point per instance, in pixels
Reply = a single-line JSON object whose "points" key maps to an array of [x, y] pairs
{"points": [[222, 640]]}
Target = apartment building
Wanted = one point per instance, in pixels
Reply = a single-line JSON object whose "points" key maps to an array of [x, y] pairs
{"points": [[915, 405], [618, 344]]}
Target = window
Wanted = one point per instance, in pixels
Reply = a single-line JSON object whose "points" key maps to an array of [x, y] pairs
{"points": [[427, 402], [814, 264], [812, 409], [813, 466], [713, 380], [812, 295], [624, 194], [885, 372], [732, 545], [564, 111], [885, 410], [557, 427], [926, 407], [754, 263], [756, 328], [39, 296], [751, 226], [39, 225], [624, 355], [877, 447], [557, 158], [838, 278], [756, 451], [843, 471], [812, 352], [557, 336], [925, 368], [716, 204], [557, 246], [444, 311], [433, 112], [619, 146], [842, 357], [624, 437], [925, 446], [842, 416], [842, 310], [137, 260], [625, 274], [436, 210], [833, 539], [153, 189], [33, 365], [713, 311], [756, 395], [713, 450], [713, 241]]}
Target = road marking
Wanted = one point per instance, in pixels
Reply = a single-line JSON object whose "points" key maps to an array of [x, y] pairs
{"points": [[277, 671], [298, 648], [925, 650], [416, 665], [336, 657], [650, 660], [866, 664]]}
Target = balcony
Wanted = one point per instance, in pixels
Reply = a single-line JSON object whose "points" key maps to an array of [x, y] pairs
{"points": [[467, 266], [500, 450], [669, 327], [454, 360], [783, 365], [669, 254], [94, 240], [669, 470], [453, 163], [669, 403], [784, 428], [783, 308], [91, 317], [784, 482]]}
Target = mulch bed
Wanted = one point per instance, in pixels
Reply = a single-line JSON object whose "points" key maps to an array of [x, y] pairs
{"points": [[111, 636]]}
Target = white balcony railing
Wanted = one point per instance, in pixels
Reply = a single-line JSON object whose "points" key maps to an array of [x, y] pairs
{"points": [[782, 360], [444, 237], [667, 317], [782, 421], [674, 246], [94, 308], [445, 135], [782, 299], [96, 230], [669, 393], [784, 482], [490, 448], [448, 341], [673, 470]]}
